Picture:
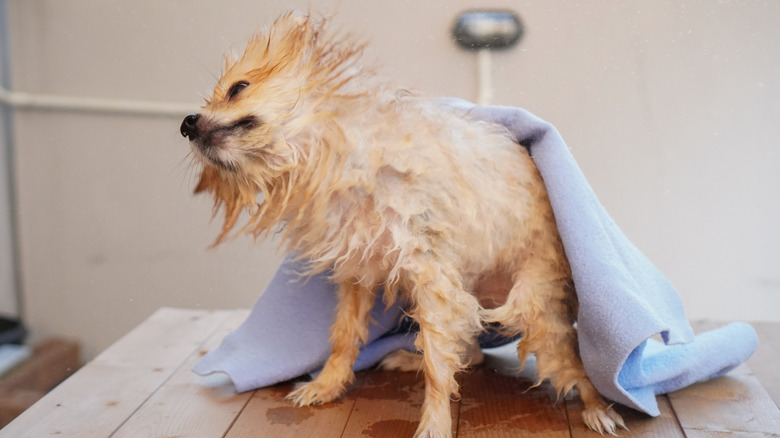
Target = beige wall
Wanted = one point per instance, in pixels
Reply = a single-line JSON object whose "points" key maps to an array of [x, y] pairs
{"points": [[671, 108]]}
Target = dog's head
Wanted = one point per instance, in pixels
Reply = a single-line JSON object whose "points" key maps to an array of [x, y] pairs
{"points": [[261, 132]]}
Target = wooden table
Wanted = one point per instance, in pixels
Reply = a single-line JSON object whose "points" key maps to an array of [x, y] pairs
{"points": [[142, 386]]}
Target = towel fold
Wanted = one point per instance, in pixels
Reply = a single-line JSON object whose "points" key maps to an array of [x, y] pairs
{"points": [[623, 301]]}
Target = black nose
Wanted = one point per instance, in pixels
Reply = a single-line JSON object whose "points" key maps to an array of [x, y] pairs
{"points": [[189, 126]]}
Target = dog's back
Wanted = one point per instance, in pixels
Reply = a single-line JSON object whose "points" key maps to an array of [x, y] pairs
{"points": [[428, 167]]}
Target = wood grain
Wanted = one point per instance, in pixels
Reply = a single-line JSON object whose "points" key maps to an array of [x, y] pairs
{"points": [[639, 424], [734, 403], [500, 405], [388, 405], [499, 401], [765, 363], [142, 386], [269, 414], [95, 401], [188, 404]]}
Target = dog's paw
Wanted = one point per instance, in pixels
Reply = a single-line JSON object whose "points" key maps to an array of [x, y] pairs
{"points": [[603, 420], [314, 393], [431, 433], [402, 360]]}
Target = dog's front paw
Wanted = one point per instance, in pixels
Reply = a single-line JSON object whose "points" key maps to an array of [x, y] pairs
{"points": [[435, 424], [314, 393], [431, 433], [603, 420]]}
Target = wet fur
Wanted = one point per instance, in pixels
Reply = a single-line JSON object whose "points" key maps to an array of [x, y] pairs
{"points": [[390, 190]]}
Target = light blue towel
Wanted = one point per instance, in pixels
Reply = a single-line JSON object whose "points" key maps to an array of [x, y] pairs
{"points": [[623, 301]]}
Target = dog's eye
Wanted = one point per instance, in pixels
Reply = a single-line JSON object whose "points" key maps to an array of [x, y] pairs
{"points": [[236, 88]]}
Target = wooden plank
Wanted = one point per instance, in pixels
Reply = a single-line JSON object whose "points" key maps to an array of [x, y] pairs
{"points": [[188, 404], [730, 434], [168, 333], [269, 414], [143, 386], [500, 405], [732, 404], [103, 394], [638, 423], [504, 359], [388, 405], [498, 400], [765, 363]]}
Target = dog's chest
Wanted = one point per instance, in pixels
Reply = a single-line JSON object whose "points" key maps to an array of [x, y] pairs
{"points": [[450, 187]]}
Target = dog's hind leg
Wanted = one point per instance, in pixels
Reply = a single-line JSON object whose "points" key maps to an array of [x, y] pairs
{"points": [[349, 331], [542, 306]]}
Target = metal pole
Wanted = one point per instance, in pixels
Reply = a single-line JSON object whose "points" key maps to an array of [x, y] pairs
{"points": [[10, 285]]}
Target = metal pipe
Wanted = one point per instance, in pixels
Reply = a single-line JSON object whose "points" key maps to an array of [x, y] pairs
{"points": [[23, 100], [19, 100], [10, 284]]}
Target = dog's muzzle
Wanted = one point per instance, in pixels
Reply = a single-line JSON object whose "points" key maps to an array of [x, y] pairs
{"points": [[189, 126]]}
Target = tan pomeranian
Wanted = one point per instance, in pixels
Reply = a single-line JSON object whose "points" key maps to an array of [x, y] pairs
{"points": [[394, 192]]}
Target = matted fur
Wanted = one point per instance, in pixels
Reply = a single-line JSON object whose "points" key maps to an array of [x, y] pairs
{"points": [[392, 190]]}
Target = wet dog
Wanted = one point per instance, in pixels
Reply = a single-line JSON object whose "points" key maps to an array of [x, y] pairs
{"points": [[394, 192]]}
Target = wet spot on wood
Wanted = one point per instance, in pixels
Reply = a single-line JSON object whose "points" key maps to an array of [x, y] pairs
{"points": [[393, 385], [288, 416], [390, 429]]}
